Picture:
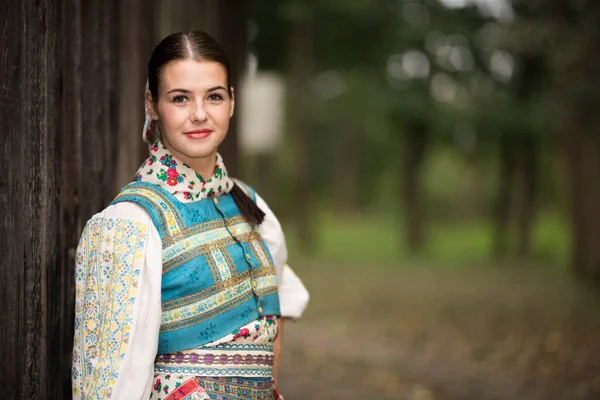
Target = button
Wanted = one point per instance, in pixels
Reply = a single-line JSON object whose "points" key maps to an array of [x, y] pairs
{"points": [[248, 257], [260, 309], [254, 284], [216, 200]]}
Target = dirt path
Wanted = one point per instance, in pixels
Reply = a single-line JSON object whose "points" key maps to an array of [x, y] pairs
{"points": [[449, 334]]}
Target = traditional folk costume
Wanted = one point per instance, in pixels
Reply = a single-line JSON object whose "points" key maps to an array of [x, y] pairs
{"points": [[177, 296]]}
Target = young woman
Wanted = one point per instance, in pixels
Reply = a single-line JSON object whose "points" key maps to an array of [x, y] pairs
{"points": [[182, 282]]}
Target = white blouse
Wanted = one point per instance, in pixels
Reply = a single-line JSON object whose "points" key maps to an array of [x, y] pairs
{"points": [[118, 282]]}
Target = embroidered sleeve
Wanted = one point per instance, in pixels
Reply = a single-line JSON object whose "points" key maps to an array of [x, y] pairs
{"points": [[109, 270]]}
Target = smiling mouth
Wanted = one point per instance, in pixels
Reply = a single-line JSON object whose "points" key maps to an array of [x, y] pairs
{"points": [[199, 134]]}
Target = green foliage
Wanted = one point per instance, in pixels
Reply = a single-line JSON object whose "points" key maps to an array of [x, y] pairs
{"points": [[374, 239], [485, 79]]}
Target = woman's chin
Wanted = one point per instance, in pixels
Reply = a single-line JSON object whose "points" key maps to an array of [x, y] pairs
{"points": [[200, 151]]}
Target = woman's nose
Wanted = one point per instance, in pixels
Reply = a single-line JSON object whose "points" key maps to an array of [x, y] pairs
{"points": [[198, 112]]}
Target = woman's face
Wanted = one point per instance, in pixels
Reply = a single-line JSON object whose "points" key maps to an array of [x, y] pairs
{"points": [[193, 109]]}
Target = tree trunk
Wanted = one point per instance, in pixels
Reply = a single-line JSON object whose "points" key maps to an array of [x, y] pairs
{"points": [[416, 143], [301, 124], [264, 181], [528, 152], [575, 70], [503, 202], [346, 155], [583, 158]]}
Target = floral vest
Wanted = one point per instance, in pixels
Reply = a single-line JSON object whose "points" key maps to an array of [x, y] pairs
{"points": [[218, 273]]}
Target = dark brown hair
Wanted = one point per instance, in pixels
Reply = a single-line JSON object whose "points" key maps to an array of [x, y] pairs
{"points": [[200, 46], [196, 45]]}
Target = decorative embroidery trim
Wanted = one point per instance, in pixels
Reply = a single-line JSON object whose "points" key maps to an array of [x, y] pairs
{"points": [[267, 347], [179, 248], [107, 269], [201, 310], [192, 230], [237, 388], [256, 273], [265, 282], [260, 252], [265, 286], [180, 324], [219, 361], [170, 218], [214, 371], [207, 304], [181, 301], [248, 352], [223, 262], [206, 249]]}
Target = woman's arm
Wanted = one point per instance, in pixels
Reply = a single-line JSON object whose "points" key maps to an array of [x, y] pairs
{"points": [[118, 273], [277, 349]]}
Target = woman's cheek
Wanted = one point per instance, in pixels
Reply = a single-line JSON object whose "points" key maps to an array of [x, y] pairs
{"points": [[178, 116]]}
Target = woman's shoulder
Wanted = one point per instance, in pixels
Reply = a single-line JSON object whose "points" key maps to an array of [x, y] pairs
{"points": [[126, 210]]}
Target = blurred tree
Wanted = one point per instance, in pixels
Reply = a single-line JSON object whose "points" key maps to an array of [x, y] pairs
{"points": [[575, 61], [567, 33], [391, 80], [301, 115], [520, 141]]}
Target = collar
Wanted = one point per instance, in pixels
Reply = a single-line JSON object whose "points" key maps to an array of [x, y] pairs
{"points": [[179, 179]]}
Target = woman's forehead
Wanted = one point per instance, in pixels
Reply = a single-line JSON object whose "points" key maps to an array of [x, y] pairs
{"points": [[193, 75]]}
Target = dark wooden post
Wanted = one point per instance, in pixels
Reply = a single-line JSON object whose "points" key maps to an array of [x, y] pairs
{"points": [[138, 34], [71, 74], [57, 73], [29, 239]]}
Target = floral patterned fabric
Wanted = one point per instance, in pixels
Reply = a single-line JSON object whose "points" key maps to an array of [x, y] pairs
{"points": [[107, 270], [181, 387], [263, 330], [164, 170]]}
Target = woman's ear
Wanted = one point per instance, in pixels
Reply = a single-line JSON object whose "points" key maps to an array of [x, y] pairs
{"points": [[151, 106], [232, 107]]}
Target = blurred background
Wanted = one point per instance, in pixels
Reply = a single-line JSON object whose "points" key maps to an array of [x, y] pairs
{"points": [[435, 165]]}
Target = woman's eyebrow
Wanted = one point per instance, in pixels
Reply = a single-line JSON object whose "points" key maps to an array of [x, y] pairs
{"points": [[216, 88], [186, 91], [179, 90]]}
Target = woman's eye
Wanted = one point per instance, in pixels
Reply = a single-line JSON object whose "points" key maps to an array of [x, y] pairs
{"points": [[215, 97], [179, 99]]}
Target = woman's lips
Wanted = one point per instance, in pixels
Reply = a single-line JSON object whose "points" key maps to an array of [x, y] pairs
{"points": [[198, 134]]}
